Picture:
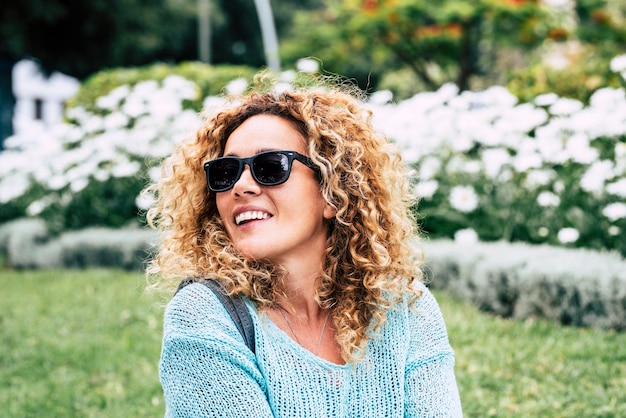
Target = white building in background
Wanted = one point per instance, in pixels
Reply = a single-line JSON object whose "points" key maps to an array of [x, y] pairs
{"points": [[39, 99]]}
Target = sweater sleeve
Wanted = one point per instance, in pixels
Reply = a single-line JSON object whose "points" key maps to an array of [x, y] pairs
{"points": [[430, 383], [206, 369]]}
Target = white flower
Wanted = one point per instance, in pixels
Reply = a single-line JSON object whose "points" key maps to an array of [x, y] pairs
{"points": [[462, 143], [181, 87], [114, 98], [145, 89], [282, 87], [115, 120], [101, 175], [426, 189], [12, 187], [607, 98], [466, 236], [617, 188], [505, 175], [614, 230], [471, 167], [557, 3], [455, 164], [568, 235], [135, 106], [618, 64], [381, 97], [92, 123], [548, 199], [288, 76], [564, 106], [145, 201], [56, 182], [79, 184], [125, 168], [526, 161], [493, 160], [615, 211], [463, 198], [163, 105], [237, 86], [546, 99], [579, 150], [550, 143], [154, 174], [538, 178], [558, 186], [429, 168], [36, 207], [308, 65], [596, 176], [543, 231]]}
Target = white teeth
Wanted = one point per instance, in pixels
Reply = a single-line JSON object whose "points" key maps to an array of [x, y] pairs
{"points": [[248, 216]]}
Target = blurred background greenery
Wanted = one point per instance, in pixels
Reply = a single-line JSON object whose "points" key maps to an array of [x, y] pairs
{"points": [[407, 46]]}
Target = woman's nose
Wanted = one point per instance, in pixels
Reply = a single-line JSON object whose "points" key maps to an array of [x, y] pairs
{"points": [[246, 183]]}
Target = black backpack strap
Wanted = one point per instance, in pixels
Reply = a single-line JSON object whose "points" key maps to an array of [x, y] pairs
{"points": [[235, 306]]}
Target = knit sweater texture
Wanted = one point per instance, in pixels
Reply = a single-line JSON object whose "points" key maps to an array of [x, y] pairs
{"points": [[206, 370]]}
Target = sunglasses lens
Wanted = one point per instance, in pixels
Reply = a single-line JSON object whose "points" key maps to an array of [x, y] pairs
{"points": [[223, 173], [268, 169], [271, 168]]}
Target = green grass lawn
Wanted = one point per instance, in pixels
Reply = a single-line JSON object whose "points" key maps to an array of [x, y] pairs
{"points": [[86, 344], [78, 344]]}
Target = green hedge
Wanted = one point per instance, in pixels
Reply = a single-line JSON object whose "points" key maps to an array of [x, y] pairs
{"points": [[28, 245], [572, 286]]}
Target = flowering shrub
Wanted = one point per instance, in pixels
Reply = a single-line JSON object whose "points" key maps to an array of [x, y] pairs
{"points": [[89, 171], [551, 171], [489, 168]]}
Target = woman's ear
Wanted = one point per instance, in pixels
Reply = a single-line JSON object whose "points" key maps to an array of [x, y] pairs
{"points": [[329, 211]]}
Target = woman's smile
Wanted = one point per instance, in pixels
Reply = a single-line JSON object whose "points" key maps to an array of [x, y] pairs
{"points": [[250, 216]]}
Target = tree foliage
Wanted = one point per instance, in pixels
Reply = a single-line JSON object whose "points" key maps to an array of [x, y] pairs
{"points": [[575, 60], [80, 37], [451, 40]]}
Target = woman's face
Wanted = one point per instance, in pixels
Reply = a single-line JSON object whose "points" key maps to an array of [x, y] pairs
{"points": [[286, 221]]}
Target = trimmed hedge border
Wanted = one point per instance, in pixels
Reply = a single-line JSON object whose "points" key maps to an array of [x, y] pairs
{"points": [[28, 246], [572, 286]]}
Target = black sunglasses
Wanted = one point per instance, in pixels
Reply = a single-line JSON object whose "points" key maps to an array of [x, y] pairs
{"points": [[269, 168]]}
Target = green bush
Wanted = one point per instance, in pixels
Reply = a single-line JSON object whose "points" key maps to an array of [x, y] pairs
{"points": [[403, 83], [572, 286], [28, 244], [577, 81], [210, 79], [21, 241]]}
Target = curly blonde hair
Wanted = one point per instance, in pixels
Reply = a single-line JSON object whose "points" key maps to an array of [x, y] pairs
{"points": [[370, 263]]}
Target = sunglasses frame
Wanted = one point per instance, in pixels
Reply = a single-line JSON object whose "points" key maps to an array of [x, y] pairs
{"points": [[242, 162]]}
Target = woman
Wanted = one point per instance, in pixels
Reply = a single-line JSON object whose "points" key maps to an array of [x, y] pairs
{"points": [[303, 209]]}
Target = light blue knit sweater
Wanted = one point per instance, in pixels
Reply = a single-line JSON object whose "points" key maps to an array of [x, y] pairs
{"points": [[206, 369]]}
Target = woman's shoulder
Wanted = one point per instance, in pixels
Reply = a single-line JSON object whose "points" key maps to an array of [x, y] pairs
{"points": [[426, 325], [425, 309], [194, 308], [426, 301], [195, 313]]}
